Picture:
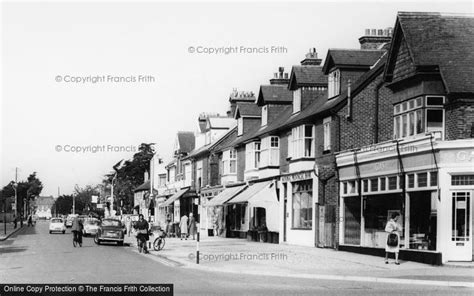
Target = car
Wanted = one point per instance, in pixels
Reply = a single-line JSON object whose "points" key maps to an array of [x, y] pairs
{"points": [[69, 220], [110, 230], [91, 225], [57, 225]]}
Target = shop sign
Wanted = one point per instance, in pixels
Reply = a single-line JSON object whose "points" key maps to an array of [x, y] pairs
{"points": [[465, 156], [297, 177]]}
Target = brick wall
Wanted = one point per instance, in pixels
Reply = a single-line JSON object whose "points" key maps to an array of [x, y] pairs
{"points": [[308, 96], [360, 129], [240, 163], [459, 120]]}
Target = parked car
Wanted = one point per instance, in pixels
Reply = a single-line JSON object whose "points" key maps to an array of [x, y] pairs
{"points": [[91, 226], [69, 220], [110, 230], [57, 225]]}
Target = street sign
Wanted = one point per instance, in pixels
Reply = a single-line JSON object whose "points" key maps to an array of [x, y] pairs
{"points": [[94, 198]]}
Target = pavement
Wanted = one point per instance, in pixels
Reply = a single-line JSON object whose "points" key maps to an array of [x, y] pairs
{"points": [[7, 230], [245, 257]]}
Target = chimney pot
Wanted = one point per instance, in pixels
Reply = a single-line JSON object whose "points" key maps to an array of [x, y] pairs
{"points": [[380, 32], [374, 32], [367, 32], [286, 75], [281, 69], [275, 75]]}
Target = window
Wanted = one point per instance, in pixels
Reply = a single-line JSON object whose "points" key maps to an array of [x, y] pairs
{"points": [[383, 184], [240, 126], [302, 204], [462, 180], [297, 100], [252, 156], [270, 152], [374, 185], [460, 216], [334, 83], [365, 185], [392, 183], [302, 141], [417, 116], [433, 178], [411, 180], [327, 134], [229, 161], [264, 115], [422, 179]]}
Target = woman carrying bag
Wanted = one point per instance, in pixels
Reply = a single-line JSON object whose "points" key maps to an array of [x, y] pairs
{"points": [[393, 239]]}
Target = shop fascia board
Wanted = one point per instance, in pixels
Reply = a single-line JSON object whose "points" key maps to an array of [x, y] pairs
{"points": [[385, 150]]}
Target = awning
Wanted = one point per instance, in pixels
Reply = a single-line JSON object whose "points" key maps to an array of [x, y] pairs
{"points": [[225, 195], [249, 193], [174, 197], [267, 199]]}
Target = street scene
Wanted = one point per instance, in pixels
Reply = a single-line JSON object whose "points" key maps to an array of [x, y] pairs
{"points": [[237, 148]]}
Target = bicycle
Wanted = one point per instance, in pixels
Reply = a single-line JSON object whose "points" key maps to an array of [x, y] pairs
{"points": [[159, 242]]}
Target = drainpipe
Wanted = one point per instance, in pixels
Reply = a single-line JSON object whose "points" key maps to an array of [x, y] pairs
{"points": [[376, 110]]}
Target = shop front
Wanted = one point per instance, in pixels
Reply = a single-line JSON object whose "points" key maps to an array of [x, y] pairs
{"points": [[299, 201], [415, 180]]}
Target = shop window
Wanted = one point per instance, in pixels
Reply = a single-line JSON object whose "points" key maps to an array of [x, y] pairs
{"points": [[352, 220], [461, 216], [377, 211], [392, 183], [433, 178], [344, 188], [422, 221], [462, 180], [422, 179], [383, 184], [374, 185], [302, 204], [411, 181], [365, 184]]}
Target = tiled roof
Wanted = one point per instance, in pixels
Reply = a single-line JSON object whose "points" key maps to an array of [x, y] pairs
{"points": [[246, 109], [186, 141], [307, 75], [226, 141], [351, 57], [443, 40], [276, 124], [145, 186], [274, 94]]}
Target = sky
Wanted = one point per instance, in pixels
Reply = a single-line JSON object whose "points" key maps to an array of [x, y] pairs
{"points": [[84, 83]]}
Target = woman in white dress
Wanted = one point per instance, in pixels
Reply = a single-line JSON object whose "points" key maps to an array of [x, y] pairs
{"points": [[393, 227]]}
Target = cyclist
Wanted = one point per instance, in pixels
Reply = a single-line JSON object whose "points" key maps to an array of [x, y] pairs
{"points": [[77, 228], [142, 234]]}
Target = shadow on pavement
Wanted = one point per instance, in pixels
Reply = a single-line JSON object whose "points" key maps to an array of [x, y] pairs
{"points": [[12, 250]]}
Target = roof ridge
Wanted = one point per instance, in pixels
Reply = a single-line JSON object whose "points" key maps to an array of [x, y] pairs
{"points": [[434, 13]]}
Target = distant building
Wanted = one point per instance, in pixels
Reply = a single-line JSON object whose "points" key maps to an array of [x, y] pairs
{"points": [[44, 206]]}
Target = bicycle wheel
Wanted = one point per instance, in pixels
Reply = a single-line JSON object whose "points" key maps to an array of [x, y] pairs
{"points": [[158, 244]]}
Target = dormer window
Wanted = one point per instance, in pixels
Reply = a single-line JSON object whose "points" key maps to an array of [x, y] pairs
{"points": [[297, 100], [334, 83], [240, 126], [264, 115]]}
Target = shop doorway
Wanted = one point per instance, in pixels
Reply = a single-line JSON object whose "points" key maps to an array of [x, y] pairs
{"points": [[352, 220], [460, 244]]}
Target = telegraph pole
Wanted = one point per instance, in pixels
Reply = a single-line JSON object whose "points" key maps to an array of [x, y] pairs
{"points": [[15, 187]]}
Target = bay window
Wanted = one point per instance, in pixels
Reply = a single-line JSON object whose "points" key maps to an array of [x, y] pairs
{"points": [[419, 115], [252, 156], [302, 143], [229, 161], [270, 152]]}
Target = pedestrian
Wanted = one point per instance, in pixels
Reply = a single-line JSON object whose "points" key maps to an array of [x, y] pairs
{"points": [[30, 220], [183, 225], [77, 228], [142, 234], [15, 222], [192, 226], [393, 239]]}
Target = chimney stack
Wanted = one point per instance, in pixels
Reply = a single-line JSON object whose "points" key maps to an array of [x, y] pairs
{"points": [[375, 38], [280, 78], [311, 58]]}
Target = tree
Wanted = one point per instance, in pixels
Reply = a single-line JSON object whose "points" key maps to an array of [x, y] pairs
{"points": [[26, 191], [129, 174]]}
